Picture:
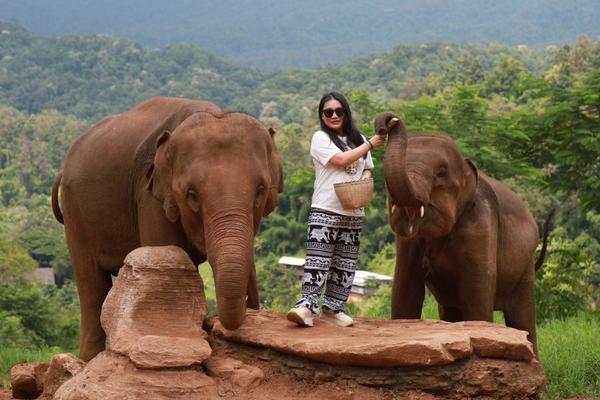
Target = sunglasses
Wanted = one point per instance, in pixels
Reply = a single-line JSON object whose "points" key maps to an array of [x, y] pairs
{"points": [[328, 112]]}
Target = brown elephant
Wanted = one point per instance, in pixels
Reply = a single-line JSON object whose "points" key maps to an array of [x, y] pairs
{"points": [[170, 171], [461, 233]]}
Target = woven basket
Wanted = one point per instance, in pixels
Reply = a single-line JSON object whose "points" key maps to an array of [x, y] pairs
{"points": [[354, 194]]}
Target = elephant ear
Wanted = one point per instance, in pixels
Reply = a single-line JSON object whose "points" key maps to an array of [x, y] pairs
{"points": [[160, 176], [471, 169], [470, 181], [276, 171]]}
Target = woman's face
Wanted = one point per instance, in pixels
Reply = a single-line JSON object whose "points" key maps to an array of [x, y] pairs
{"points": [[334, 121]]}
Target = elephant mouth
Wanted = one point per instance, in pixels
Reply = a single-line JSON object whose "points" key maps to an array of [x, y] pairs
{"points": [[410, 218]]}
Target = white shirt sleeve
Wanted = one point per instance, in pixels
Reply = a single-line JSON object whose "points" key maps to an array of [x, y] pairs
{"points": [[369, 162], [322, 148]]}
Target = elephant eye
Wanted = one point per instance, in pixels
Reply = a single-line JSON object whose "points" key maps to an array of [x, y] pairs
{"points": [[441, 173], [260, 195], [193, 200]]}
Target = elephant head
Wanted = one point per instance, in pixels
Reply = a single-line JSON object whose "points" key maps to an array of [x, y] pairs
{"points": [[217, 175], [429, 183]]}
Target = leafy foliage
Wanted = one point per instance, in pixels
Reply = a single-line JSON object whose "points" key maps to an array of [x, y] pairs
{"points": [[15, 262], [573, 149], [279, 287], [93, 76], [564, 285], [37, 315]]}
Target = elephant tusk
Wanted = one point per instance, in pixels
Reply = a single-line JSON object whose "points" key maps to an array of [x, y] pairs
{"points": [[393, 122], [393, 208], [422, 211], [410, 229]]}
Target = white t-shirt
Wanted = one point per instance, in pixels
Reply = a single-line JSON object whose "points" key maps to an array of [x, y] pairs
{"points": [[326, 174]]}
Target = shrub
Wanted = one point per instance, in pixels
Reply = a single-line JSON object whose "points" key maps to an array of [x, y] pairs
{"points": [[46, 315], [564, 284], [12, 332]]}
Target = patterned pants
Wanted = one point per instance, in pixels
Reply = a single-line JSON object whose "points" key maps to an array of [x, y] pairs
{"points": [[331, 255]]}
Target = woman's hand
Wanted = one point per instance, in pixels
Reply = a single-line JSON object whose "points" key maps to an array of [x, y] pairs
{"points": [[377, 141], [344, 158], [367, 173]]}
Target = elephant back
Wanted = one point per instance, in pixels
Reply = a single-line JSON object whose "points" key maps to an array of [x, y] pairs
{"points": [[104, 167]]}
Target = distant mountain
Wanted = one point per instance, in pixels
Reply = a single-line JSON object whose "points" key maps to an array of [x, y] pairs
{"points": [[273, 34]]}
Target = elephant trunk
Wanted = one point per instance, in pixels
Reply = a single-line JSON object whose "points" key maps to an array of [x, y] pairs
{"points": [[230, 239], [394, 163]]}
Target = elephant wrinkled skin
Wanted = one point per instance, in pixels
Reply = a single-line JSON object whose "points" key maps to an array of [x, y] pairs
{"points": [[461, 233], [171, 171]]}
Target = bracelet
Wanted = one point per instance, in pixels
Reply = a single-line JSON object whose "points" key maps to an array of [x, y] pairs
{"points": [[370, 145]]}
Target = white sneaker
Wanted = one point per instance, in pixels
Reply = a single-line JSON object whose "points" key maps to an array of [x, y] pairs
{"points": [[339, 318], [300, 315]]}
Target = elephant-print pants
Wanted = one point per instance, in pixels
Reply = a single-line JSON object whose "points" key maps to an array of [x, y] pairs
{"points": [[331, 256]]}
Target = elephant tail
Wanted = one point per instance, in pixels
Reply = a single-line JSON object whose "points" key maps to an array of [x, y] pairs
{"points": [[55, 204], [547, 229]]}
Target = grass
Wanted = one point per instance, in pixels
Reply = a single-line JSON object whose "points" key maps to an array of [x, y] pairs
{"points": [[570, 356], [379, 306], [10, 356]]}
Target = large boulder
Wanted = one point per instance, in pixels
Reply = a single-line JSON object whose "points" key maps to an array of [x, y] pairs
{"points": [[154, 312], [153, 319]]}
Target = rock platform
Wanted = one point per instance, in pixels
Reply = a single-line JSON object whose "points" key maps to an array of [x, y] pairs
{"points": [[162, 346], [435, 358]]}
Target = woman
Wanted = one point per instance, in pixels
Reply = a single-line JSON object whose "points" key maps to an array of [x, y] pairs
{"points": [[340, 154]]}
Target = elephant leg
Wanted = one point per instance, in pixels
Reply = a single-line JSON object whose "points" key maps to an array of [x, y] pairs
{"points": [[450, 314], [252, 301], [477, 283], [479, 306], [519, 312], [408, 290], [93, 283], [477, 293], [93, 288]]}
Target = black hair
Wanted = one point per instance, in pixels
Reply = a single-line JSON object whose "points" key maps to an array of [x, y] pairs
{"points": [[349, 128]]}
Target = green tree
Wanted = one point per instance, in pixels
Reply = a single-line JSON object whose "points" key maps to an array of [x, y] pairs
{"points": [[15, 263], [468, 70], [573, 148], [44, 238], [564, 287], [281, 236], [581, 55], [279, 288], [504, 79], [13, 334], [561, 74], [49, 315]]}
